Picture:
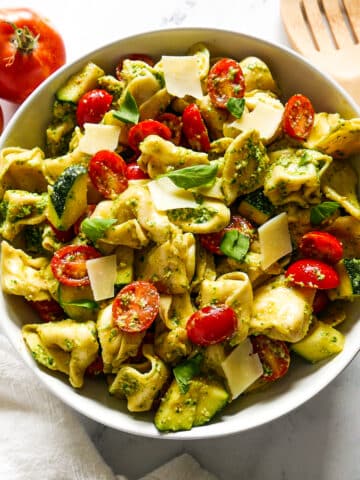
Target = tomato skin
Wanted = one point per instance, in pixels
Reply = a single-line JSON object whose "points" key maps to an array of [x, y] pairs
{"points": [[274, 356], [135, 307], [299, 117], [1, 120], [195, 129], [62, 236], [92, 106], [321, 245], [143, 129], [212, 241], [311, 273], [107, 172], [22, 71], [96, 367], [68, 264], [134, 172], [133, 56], [321, 301], [48, 310], [212, 324], [174, 123], [225, 80]]}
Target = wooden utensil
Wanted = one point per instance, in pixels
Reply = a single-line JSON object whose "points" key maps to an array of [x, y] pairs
{"points": [[327, 32]]}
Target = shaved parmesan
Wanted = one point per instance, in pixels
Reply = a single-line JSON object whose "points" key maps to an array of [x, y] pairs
{"points": [[166, 195], [102, 275], [99, 137], [274, 238], [242, 368], [182, 76]]}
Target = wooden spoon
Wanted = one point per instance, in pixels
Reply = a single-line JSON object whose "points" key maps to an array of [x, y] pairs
{"points": [[327, 32]]}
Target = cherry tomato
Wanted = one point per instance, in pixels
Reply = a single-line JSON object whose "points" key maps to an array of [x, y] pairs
{"points": [[313, 273], [225, 80], [63, 236], [92, 106], [96, 367], [298, 117], [136, 306], [48, 310], [90, 209], [30, 50], [143, 129], [212, 324], [212, 241], [194, 129], [1, 120], [321, 301], [107, 171], [274, 356], [321, 245], [134, 172], [133, 56], [69, 264], [174, 123]]}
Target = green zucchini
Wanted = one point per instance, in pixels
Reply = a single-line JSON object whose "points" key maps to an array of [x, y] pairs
{"points": [[80, 83], [256, 207], [68, 197], [77, 302], [349, 274]]}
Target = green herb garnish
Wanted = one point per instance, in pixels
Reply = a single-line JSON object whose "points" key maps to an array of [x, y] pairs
{"points": [[235, 245], [94, 228], [186, 371], [128, 111], [236, 106], [321, 212], [195, 176]]}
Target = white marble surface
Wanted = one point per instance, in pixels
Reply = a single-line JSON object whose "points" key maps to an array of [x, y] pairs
{"points": [[320, 440]]}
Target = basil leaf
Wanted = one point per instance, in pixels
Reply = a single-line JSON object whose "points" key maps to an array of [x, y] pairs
{"points": [[190, 177], [236, 106], [186, 371], [128, 112], [94, 228], [90, 304], [321, 212], [235, 245]]}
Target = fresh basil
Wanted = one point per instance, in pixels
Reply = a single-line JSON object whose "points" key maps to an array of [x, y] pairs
{"points": [[236, 106], [90, 304], [128, 112], [94, 228], [195, 176], [235, 245], [321, 212], [186, 371]]}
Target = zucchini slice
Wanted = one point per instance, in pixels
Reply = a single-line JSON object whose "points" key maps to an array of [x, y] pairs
{"points": [[80, 83]]}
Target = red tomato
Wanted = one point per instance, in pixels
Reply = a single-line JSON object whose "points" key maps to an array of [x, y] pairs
{"points": [[174, 123], [90, 209], [274, 356], [298, 117], [69, 264], [321, 245], [134, 172], [136, 306], [92, 106], [194, 128], [30, 50], [48, 310], [107, 171], [225, 80], [63, 236], [96, 367], [212, 241], [143, 129], [212, 324], [1, 120], [321, 301], [313, 273], [133, 56]]}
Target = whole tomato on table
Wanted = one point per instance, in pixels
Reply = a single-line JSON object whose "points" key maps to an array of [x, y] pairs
{"points": [[30, 50], [1, 120]]}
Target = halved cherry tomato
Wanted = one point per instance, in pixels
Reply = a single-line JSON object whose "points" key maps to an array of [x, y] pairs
{"points": [[92, 106], [69, 264], [321, 301], [312, 273], [134, 172], [63, 236], [1, 120], [143, 129], [48, 310], [321, 245], [90, 209], [212, 324], [107, 171], [174, 123], [298, 117], [274, 356], [132, 56], [96, 367], [212, 241], [136, 306], [195, 129], [225, 80]]}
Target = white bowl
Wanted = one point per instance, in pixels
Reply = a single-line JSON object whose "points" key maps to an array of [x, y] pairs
{"points": [[26, 129]]}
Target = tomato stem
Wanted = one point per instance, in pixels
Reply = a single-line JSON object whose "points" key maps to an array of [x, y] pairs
{"points": [[24, 40]]}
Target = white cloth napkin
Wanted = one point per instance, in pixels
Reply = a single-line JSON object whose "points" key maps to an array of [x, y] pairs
{"points": [[40, 437]]}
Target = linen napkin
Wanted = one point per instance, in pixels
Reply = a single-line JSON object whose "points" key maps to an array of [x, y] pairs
{"points": [[40, 437]]}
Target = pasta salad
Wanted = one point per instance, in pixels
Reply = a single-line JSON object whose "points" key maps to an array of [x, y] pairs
{"points": [[184, 234]]}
